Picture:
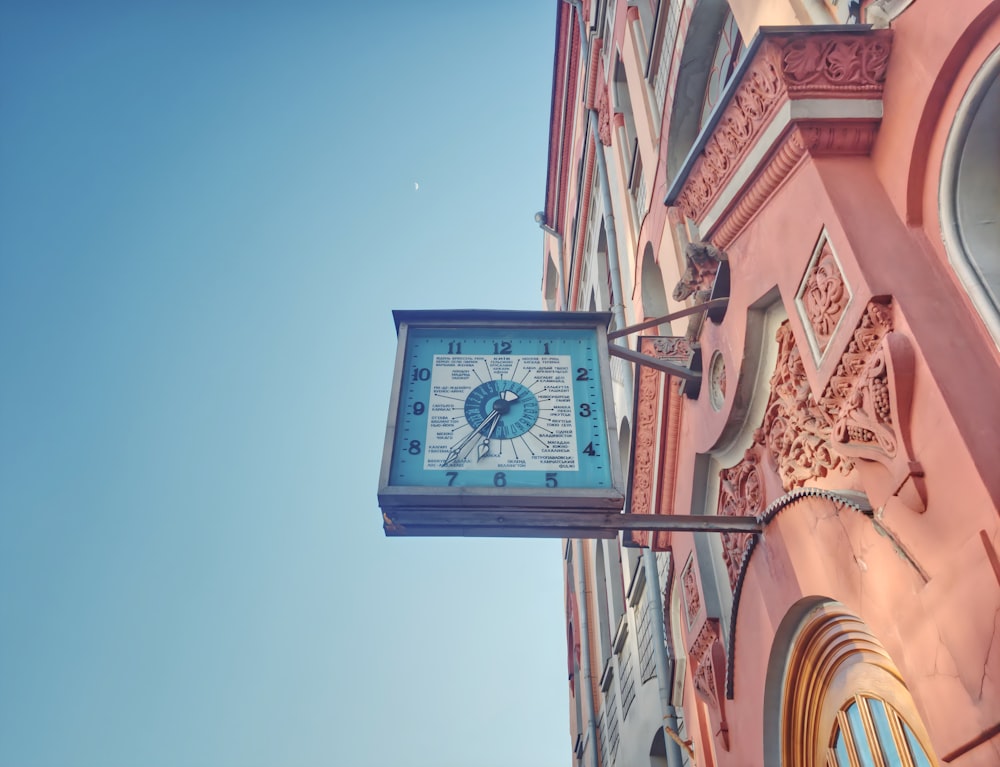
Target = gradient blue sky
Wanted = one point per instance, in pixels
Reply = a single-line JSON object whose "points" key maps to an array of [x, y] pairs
{"points": [[207, 214]]}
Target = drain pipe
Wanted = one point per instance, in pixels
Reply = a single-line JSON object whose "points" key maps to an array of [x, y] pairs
{"points": [[664, 663], [664, 666], [586, 684]]}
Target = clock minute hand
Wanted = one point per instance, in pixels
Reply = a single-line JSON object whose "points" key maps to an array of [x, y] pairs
{"points": [[456, 452], [484, 446]]}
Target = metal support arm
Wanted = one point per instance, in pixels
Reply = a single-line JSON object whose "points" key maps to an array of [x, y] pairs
{"points": [[715, 303], [639, 358]]}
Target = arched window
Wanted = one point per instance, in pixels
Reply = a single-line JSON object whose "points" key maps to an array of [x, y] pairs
{"points": [[728, 54], [654, 295], [868, 725], [970, 193], [843, 701]]}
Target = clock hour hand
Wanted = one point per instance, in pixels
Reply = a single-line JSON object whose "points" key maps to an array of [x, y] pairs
{"points": [[456, 452]]}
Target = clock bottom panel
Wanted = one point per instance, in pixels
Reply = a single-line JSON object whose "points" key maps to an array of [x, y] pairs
{"points": [[513, 523]]}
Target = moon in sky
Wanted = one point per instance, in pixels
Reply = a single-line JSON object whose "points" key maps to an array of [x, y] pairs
{"points": [[416, 187]]}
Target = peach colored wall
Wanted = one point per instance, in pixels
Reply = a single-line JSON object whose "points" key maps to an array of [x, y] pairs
{"points": [[935, 608]]}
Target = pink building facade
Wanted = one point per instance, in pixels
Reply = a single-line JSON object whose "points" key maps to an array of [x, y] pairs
{"points": [[827, 176]]}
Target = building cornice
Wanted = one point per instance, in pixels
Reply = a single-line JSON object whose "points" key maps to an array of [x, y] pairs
{"points": [[800, 91]]}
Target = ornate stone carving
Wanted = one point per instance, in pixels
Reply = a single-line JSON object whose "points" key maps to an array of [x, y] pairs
{"points": [[814, 65], [860, 421], [823, 295], [646, 459], [646, 436], [826, 63], [796, 428], [870, 395], [692, 592], [702, 261], [603, 118], [708, 657], [741, 494]]}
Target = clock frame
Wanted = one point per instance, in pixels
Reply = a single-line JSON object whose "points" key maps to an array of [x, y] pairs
{"points": [[500, 423]]}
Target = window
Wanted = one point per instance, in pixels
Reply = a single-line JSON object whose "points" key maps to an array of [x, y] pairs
{"points": [[728, 54], [970, 193], [869, 726], [644, 635], [623, 106], [843, 702]]}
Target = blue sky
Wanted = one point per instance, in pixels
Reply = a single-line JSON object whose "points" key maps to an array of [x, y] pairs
{"points": [[208, 211]]}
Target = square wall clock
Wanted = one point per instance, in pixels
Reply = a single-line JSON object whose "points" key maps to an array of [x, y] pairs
{"points": [[500, 423]]}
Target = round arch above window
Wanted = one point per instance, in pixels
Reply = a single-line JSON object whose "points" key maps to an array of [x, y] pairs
{"points": [[840, 695], [970, 193]]}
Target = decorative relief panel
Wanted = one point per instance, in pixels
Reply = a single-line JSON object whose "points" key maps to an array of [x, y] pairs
{"points": [[741, 494], [810, 65], [819, 64], [708, 657], [823, 296], [796, 429], [870, 394], [861, 415], [692, 591], [603, 118], [654, 449]]}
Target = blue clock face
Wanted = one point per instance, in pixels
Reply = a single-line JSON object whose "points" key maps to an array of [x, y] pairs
{"points": [[501, 408]]}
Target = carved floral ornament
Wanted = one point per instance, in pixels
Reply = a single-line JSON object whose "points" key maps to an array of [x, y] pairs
{"points": [[807, 440], [708, 657], [805, 66], [692, 592], [656, 432], [741, 494], [823, 295], [603, 118]]}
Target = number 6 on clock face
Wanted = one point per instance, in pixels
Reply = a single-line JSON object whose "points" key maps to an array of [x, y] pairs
{"points": [[500, 409]]}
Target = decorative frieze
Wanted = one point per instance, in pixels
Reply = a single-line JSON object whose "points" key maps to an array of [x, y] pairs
{"points": [[817, 64], [654, 448], [847, 66]]}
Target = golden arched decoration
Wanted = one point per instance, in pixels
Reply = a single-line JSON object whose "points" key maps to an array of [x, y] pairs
{"points": [[834, 657]]}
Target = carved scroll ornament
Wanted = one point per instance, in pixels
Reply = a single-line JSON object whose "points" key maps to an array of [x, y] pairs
{"points": [[824, 295], [796, 428], [741, 494], [692, 592], [861, 414], [811, 65], [708, 657]]}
